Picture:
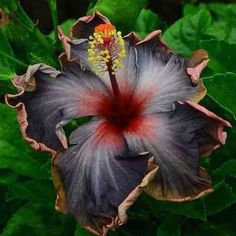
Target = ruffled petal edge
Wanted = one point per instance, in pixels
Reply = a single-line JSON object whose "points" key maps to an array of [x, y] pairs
{"points": [[27, 83], [195, 64], [88, 19], [220, 135], [115, 222], [153, 190]]}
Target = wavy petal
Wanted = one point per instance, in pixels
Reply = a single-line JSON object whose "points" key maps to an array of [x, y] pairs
{"points": [[48, 98], [167, 77], [85, 25], [76, 48], [150, 67], [100, 177], [196, 63], [177, 139]]}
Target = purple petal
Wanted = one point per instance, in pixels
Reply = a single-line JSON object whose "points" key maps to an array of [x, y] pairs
{"points": [[48, 98], [100, 177], [177, 139], [76, 50], [166, 75], [150, 67]]}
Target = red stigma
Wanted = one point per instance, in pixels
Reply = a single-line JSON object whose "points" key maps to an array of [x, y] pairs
{"points": [[104, 28], [106, 31]]}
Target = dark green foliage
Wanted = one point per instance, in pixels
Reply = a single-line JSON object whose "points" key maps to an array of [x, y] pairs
{"points": [[26, 191], [122, 13]]}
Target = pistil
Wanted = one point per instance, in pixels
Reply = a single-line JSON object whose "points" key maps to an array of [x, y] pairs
{"points": [[106, 52], [114, 84]]}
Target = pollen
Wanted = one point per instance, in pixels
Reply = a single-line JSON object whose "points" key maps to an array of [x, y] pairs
{"points": [[106, 49]]}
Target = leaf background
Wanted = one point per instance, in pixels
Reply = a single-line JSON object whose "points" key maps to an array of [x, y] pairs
{"points": [[26, 191]]}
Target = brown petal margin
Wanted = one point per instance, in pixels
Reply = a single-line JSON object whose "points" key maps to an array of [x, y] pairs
{"points": [[115, 222], [67, 45], [133, 38], [27, 83], [60, 204], [84, 26], [65, 41], [201, 185], [154, 189], [217, 132], [156, 36], [195, 65]]}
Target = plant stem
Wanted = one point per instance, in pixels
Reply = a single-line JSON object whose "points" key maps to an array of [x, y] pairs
{"points": [[53, 9]]}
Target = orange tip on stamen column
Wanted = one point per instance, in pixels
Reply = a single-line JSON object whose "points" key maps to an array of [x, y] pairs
{"points": [[104, 27], [106, 48]]}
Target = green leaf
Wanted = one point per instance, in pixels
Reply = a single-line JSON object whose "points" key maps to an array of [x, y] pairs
{"points": [[53, 10], [7, 66], [194, 228], [6, 87], [15, 152], [223, 11], [38, 220], [7, 177], [185, 34], [224, 221], [18, 161], [30, 190], [222, 88], [223, 20], [222, 55], [80, 231], [28, 43], [190, 9], [66, 27], [223, 27], [228, 168], [222, 31], [221, 198], [227, 151], [7, 207], [116, 11], [193, 209], [147, 22], [25, 221], [170, 227], [211, 104]]}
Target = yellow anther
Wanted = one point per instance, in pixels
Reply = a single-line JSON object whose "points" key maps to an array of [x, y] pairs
{"points": [[106, 49]]}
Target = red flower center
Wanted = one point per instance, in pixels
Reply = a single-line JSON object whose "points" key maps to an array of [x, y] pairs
{"points": [[124, 113]]}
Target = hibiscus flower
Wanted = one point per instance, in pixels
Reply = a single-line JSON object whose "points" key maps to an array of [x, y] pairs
{"points": [[146, 132]]}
